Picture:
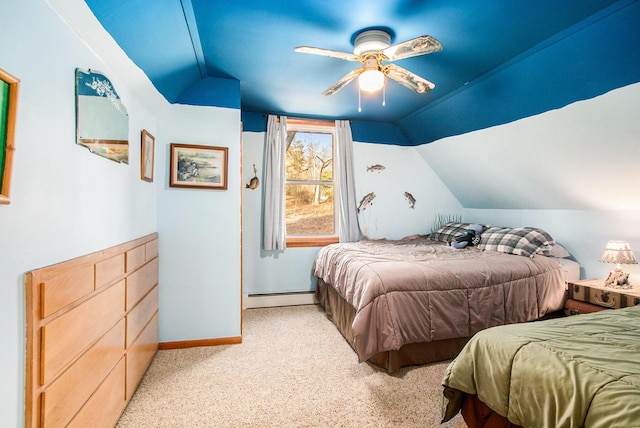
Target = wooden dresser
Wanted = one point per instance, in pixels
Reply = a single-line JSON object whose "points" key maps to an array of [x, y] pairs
{"points": [[92, 331]]}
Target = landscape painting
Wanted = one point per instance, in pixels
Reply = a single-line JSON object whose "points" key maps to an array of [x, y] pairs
{"points": [[198, 167]]}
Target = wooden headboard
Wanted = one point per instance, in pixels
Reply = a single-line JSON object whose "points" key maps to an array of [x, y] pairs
{"points": [[92, 331]]}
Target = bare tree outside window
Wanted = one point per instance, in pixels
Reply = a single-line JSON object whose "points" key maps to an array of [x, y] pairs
{"points": [[309, 187]]}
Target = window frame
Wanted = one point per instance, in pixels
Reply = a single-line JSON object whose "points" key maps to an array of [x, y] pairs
{"points": [[312, 126]]}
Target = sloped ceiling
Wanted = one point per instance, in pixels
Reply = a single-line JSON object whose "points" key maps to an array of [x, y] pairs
{"points": [[501, 60], [584, 156]]}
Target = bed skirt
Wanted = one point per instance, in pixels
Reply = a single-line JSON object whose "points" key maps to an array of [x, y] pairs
{"points": [[476, 414], [341, 313]]}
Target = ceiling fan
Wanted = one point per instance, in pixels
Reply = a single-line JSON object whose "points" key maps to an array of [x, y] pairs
{"points": [[373, 49]]}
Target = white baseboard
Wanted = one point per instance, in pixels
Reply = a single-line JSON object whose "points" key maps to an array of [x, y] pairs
{"points": [[250, 301]]}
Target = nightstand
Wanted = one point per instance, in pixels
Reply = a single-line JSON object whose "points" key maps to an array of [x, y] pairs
{"points": [[591, 295]]}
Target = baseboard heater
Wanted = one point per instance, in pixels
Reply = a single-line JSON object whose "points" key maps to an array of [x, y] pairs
{"points": [[267, 300]]}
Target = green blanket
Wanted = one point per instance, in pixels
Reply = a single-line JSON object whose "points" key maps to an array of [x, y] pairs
{"points": [[578, 371]]}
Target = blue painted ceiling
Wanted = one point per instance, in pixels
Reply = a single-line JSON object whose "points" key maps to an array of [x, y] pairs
{"points": [[240, 54]]}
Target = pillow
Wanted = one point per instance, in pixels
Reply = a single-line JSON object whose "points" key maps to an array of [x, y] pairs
{"points": [[555, 250], [540, 236], [523, 241], [449, 231]]}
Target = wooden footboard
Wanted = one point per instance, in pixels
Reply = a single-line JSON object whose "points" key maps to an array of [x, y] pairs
{"points": [[92, 331]]}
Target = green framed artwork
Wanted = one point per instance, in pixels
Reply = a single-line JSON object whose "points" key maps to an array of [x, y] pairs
{"points": [[8, 111]]}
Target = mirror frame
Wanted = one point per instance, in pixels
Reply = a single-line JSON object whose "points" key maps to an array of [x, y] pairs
{"points": [[8, 114]]}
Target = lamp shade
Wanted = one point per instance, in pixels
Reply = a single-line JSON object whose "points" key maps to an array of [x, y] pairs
{"points": [[618, 252]]}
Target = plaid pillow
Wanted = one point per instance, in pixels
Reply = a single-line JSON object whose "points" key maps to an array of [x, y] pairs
{"points": [[555, 250], [523, 241], [449, 231], [540, 236]]}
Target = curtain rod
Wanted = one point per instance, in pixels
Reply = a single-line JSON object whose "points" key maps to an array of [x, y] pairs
{"points": [[302, 119]]}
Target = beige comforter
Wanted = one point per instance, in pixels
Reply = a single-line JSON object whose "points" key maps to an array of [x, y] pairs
{"points": [[417, 290]]}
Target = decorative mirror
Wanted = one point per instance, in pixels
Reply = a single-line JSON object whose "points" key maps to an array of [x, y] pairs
{"points": [[102, 122]]}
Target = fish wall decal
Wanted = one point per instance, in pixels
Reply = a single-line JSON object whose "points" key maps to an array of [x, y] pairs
{"points": [[410, 198], [375, 168], [366, 201]]}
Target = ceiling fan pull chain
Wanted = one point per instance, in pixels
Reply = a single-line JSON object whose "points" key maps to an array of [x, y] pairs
{"points": [[359, 101], [384, 92]]}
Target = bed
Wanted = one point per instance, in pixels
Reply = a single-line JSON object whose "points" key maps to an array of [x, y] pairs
{"points": [[418, 300], [581, 370]]}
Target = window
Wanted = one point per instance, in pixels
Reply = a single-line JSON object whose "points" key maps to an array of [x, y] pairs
{"points": [[310, 190]]}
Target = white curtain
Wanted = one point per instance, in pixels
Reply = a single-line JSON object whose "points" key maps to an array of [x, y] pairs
{"points": [[274, 225], [349, 228]]}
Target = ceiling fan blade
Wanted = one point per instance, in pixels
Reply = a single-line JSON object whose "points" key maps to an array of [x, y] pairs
{"points": [[343, 82], [408, 79], [419, 46], [326, 52]]}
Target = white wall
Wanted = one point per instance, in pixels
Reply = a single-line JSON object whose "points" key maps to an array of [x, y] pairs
{"points": [[581, 157], [65, 201], [389, 216], [199, 232], [572, 171]]}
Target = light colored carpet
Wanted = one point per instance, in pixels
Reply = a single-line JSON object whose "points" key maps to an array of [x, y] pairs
{"points": [[293, 369]]}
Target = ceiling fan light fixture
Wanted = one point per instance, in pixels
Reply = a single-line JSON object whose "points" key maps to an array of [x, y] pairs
{"points": [[371, 80], [371, 41], [372, 48]]}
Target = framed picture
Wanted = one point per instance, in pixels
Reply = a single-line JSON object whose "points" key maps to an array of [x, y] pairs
{"points": [[147, 156], [8, 111], [198, 167]]}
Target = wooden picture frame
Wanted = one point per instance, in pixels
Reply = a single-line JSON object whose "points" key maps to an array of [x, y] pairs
{"points": [[8, 112], [147, 156], [198, 167]]}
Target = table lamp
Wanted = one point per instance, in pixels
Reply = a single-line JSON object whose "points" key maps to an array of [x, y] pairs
{"points": [[620, 253]]}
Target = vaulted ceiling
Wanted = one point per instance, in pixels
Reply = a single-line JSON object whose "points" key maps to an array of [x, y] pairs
{"points": [[501, 59]]}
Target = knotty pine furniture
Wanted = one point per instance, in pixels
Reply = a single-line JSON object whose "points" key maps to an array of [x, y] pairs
{"points": [[591, 295], [92, 331]]}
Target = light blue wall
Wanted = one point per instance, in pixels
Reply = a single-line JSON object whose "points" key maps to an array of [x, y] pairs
{"points": [[581, 157], [584, 233], [65, 201], [199, 232], [266, 271], [572, 171], [389, 216]]}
